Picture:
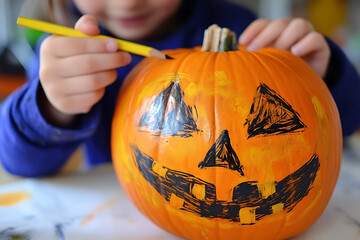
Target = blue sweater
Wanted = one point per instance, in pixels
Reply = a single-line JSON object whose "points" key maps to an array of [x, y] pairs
{"points": [[29, 146]]}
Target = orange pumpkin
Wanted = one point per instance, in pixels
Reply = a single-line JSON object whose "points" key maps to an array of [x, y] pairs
{"points": [[227, 145]]}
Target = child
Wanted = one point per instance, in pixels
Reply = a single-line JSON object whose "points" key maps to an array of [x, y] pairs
{"points": [[72, 86]]}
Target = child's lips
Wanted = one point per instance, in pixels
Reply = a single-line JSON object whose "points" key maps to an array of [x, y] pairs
{"points": [[133, 21]]}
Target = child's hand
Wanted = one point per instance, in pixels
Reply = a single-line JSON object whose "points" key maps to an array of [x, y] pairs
{"points": [[296, 35], [75, 71]]}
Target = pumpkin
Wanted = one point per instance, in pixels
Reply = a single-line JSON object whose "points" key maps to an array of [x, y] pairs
{"points": [[227, 144]]}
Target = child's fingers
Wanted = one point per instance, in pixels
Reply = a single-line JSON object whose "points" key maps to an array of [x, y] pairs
{"points": [[87, 83], [252, 31], [78, 103], [268, 35], [78, 94], [61, 46], [313, 41], [88, 25], [315, 50], [295, 31], [92, 63]]}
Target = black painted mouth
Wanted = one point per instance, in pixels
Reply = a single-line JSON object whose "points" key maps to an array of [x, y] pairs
{"points": [[246, 195]]}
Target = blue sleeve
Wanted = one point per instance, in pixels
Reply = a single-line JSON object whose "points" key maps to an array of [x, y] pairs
{"points": [[29, 146], [344, 83]]}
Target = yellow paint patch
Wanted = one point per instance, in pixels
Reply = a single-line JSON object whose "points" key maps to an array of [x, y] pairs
{"points": [[192, 90], [264, 168], [218, 84], [198, 191], [266, 189], [277, 208], [220, 78], [238, 105], [157, 168], [247, 215], [318, 107], [10, 199], [156, 86], [125, 164], [99, 209], [17, 237], [323, 123], [176, 202]]}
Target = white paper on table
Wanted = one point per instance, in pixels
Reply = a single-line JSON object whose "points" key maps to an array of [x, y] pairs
{"points": [[86, 206]]}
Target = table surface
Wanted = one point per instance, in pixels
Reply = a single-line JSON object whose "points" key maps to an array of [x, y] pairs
{"points": [[92, 205]]}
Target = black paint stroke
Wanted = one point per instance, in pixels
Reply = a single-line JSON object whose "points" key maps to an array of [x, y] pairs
{"points": [[221, 154], [59, 230], [11, 233], [169, 114], [289, 191], [348, 216], [270, 114]]}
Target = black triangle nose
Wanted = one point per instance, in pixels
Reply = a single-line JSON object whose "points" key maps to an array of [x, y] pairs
{"points": [[222, 154]]}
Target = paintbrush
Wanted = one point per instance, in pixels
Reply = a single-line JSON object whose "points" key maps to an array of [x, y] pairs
{"points": [[70, 32]]}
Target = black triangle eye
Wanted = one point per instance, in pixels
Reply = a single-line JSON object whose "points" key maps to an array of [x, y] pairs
{"points": [[169, 114], [221, 154], [270, 114]]}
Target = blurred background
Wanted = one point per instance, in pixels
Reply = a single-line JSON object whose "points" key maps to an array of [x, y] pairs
{"points": [[338, 19]]}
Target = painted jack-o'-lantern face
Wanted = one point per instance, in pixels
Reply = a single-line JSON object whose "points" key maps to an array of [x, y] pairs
{"points": [[212, 151]]}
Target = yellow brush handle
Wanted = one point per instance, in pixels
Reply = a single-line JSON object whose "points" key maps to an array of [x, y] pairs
{"points": [[70, 32]]}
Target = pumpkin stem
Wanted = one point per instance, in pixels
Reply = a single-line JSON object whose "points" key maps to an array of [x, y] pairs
{"points": [[217, 39]]}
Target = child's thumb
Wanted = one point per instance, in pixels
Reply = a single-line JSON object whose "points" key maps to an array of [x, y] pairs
{"points": [[88, 25]]}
